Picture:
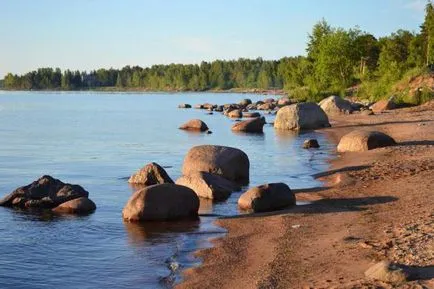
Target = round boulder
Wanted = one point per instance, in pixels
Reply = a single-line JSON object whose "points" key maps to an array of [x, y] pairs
{"points": [[149, 175], [334, 104], [362, 140], [236, 113], [76, 206], [194, 124], [266, 106], [230, 163], [284, 101], [209, 186], [161, 202], [245, 102], [252, 125], [268, 197], [301, 116]]}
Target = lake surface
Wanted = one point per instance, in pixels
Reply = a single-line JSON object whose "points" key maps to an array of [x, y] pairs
{"points": [[97, 140]]}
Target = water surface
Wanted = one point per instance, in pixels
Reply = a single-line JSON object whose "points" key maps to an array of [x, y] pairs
{"points": [[97, 140]]}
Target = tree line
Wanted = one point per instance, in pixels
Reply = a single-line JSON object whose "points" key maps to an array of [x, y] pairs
{"points": [[336, 60]]}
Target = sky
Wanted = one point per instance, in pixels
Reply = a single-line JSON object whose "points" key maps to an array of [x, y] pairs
{"points": [[92, 34]]}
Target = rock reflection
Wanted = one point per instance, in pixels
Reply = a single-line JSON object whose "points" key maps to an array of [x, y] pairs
{"points": [[205, 206], [140, 234]]}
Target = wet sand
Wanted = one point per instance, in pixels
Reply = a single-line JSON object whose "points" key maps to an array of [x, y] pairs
{"points": [[376, 205]]}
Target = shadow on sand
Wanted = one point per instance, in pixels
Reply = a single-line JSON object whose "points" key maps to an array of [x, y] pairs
{"points": [[325, 206]]}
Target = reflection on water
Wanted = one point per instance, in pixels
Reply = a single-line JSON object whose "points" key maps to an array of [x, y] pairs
{"points": [[157, 232], [96, 140]]}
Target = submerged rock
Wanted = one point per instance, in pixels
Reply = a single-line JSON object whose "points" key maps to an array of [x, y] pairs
{"points": [[252, 125], [150, 174], [209, 186], [230, 163], [363, 140], [163, 202], [301, 116], [194, 124], [76, 206], [267, 197], [44, 193], [184, 105], [310, 143]]}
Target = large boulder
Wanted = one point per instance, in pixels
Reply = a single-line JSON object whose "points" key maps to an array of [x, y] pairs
{"points": [[363, 140], [334, 104], [252, 125], [194, 124], [44, 193], [301, 116], [149, 175], [310, 143], [76, 206], [161, 202], [209, 186], [230, 163], [382, 105], [267, 197]]}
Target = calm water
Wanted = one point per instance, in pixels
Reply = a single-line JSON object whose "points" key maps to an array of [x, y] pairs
{"points": [[97, 140]]}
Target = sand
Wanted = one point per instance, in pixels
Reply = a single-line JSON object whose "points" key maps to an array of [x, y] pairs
{"points": [[376, 205]]}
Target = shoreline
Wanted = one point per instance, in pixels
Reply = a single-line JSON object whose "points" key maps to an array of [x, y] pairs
{"points": [[279, 92], [367, 211]]}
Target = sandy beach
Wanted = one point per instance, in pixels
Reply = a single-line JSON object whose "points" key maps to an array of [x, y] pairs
{"points": [[374, 206]]}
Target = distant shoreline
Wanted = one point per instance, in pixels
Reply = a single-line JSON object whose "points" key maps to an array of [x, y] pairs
{"points": [[279, 92]]}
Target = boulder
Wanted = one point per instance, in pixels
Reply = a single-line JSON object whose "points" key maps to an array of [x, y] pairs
{"points": [[209, 186], [301, 116], [366, 112], [251, 107], [236, 113], [284, 101], [251, 125], [151, 174], [219, 108], [333, 105], [310, 143], [267, 197], [266, 106], [46, 192], [184, 105], [269, 100], [198, 106], [208, 106], [251, 114], [194, 124], [382, 105], [230, 163], [245, 102], [386, 272], [363, 140], [76, 206], [259, 102], [162, 202]]}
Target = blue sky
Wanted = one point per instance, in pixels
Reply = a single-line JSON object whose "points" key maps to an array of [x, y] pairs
{"points": [[89, 34]]}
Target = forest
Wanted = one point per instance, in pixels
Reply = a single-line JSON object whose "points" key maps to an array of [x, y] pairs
{"points": [[337, 61]]}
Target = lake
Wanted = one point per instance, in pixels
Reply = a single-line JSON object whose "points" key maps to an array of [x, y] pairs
{"points": [[97, 140]]}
